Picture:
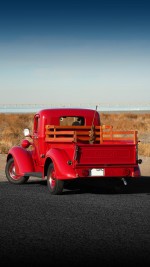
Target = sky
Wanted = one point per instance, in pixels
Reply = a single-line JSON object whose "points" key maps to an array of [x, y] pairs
{"points": [[75, 52]]}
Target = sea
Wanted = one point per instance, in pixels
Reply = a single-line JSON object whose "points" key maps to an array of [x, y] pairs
{"points": [[105, 108]]}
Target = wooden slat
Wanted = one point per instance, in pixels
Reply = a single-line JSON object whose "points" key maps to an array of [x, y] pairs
{"points": [[60, 132], [82, 133], [60, 139], [71, 127], [59, 136]]}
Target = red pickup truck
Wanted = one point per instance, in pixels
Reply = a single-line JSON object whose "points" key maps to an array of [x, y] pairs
{"points": [[71, 143]]}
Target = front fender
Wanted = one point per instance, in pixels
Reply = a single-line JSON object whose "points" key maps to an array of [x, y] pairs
{"points": [[60, 160], [22, 159]]}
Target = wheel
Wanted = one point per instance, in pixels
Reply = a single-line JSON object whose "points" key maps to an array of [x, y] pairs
{"points": [[11, 174], [55, 186]]}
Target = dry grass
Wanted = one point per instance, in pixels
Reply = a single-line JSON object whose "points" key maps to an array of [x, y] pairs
{"points": [[12, 125], [11, 129], [132, 121]]}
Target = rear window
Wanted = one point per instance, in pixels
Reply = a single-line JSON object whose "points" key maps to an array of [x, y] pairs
{"points": [[68, 121]]}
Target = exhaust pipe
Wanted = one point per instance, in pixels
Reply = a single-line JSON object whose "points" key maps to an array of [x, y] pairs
{"points": [[124, 181]]}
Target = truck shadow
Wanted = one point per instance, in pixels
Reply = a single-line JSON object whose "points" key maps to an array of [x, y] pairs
{"points": [[98, 186], [139, 185]]}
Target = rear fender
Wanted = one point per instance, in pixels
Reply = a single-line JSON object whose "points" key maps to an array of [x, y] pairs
{"points": [[60, 160], [22, 159]]}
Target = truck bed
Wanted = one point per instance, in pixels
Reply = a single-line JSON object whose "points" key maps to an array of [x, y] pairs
{"points": [[115, 152]]}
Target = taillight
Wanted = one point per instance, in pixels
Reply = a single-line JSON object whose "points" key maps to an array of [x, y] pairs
{"points": [[25, 143], [126, 172], [85, 173]]}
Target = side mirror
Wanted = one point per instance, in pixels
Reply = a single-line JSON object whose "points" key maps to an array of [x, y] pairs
{"points": [[26, 132]]}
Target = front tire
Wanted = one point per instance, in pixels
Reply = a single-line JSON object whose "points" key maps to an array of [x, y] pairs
{"points": [[11, 175], [55, 186]]}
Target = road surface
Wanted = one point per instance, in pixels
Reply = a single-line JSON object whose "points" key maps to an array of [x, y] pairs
{"points": [[92, 226]]}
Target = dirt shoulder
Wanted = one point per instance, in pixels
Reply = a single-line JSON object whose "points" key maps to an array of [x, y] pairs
{"points": [[145, 166], [2, 167]]}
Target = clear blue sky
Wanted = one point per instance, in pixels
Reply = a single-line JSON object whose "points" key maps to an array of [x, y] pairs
{"points": [[74, 52]]}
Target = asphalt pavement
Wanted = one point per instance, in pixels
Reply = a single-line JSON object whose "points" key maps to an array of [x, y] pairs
{"points": [[91, 225]]}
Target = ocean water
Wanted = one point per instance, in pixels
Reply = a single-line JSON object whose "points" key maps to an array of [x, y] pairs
{"points": [[101, 108]]}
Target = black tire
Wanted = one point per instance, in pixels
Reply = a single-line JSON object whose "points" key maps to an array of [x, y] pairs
{"points": [[11, 175], [55, 186]]}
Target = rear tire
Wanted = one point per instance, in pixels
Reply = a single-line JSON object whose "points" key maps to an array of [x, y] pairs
{"points": [[11, 175], [55, 186]]}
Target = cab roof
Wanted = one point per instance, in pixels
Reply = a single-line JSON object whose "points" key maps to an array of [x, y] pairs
{"points": [[53, 115]]}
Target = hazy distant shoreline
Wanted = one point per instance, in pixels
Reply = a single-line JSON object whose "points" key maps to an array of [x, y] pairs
{"points": [[103, 109]]}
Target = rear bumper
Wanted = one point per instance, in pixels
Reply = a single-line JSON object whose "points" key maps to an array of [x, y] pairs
{"points": [[109, 171]]}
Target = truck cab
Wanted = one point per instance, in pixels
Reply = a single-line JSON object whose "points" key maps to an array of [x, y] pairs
{"points": [[57, 117]]}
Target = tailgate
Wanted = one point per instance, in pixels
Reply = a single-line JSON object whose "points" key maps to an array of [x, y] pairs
{"points": [[107, 154]]}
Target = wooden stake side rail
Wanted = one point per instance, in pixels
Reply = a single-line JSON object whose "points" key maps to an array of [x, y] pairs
{"points": [[83, 134]]}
